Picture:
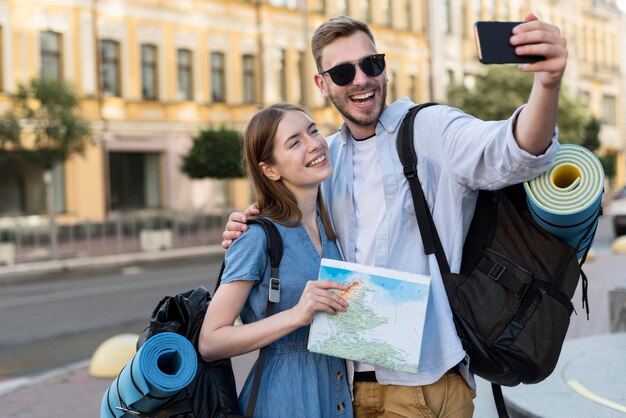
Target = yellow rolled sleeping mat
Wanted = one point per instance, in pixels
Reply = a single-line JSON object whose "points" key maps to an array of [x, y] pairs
{"points": [[566, 199]]}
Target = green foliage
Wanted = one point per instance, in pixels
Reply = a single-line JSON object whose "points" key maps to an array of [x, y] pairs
{"points": [[591, 139], [10, 132], [502, 89], [216, 154], [495, 95], [44, 113], [609, 164]]}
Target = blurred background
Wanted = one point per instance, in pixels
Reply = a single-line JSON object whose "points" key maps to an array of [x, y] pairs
{"points": [[121, 120], [120, 150]]}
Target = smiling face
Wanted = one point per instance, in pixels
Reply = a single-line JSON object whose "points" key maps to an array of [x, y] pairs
{"points": [[362, 101], [300, 155]]}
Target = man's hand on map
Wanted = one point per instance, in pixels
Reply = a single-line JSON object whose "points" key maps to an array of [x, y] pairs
{"points": [[237, 225], [318, 296]]}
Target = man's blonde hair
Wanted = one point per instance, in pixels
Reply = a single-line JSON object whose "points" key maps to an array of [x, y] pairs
{"points": [[333, 28]]}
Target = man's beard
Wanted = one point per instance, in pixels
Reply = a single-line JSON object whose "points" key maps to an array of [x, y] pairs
{"points": [[367, 120]]}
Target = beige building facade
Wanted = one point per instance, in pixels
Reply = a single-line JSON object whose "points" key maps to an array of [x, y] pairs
{"points": [[151, 73]]}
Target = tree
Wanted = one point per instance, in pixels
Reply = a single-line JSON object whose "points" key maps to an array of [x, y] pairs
{"points": [[10, 132], [499, 91], [215, 154], [42, 129]]}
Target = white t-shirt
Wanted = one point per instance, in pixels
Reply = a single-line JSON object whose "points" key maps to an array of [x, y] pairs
{"points": [[369, 213]]}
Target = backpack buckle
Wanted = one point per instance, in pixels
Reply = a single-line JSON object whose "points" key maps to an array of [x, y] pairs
{"points": [[274, 290], [496, 271], [409, 171]]}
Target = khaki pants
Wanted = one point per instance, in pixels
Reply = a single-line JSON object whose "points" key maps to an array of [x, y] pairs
{"points": [[449, 397]]}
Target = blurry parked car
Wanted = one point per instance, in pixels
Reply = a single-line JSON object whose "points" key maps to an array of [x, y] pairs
{"points": [[618, 210]]}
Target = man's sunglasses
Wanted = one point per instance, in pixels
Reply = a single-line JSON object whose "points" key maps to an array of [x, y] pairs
{"points": [[343, 74]]}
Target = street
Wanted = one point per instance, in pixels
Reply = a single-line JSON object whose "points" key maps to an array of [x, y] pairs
{"points": [[46, 324], [58, 320]]}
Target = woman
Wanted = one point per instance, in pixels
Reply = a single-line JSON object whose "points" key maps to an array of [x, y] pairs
{"points": [[286, 159]]}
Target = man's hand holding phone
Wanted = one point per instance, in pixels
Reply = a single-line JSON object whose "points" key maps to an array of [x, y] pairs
{"points": [[537, 46]]}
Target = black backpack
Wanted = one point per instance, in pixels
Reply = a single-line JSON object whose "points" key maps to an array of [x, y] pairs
{"points": [[511, 301], [212, 393]]}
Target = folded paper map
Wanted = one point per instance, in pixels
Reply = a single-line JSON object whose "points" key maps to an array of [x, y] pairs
{"points": [[384, 322]]}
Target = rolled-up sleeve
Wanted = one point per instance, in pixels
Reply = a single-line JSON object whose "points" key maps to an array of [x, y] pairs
{"points": [[247, 258], [485, 155]]}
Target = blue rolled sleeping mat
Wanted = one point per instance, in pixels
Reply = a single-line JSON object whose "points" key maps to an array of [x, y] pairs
{"points": [[162, 367], [566, 199]]}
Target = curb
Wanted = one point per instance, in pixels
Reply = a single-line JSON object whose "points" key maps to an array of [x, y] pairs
{"points": [[16, 384], [23, 271]]}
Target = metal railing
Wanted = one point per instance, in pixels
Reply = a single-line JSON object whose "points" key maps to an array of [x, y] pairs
{"points": [[117, 235]]}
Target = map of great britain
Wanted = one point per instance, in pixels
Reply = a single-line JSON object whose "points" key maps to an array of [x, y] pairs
{"points": [[384, 322]]}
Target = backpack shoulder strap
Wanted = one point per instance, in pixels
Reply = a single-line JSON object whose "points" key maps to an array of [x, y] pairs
{"points": [[274, 244], [275, 252], [408, 158], [274, 247]]}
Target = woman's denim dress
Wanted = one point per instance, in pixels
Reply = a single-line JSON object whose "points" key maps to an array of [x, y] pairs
{"points": [[296, 382]]}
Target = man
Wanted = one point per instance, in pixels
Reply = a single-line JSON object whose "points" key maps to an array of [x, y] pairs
{"points": [[371, 207]]}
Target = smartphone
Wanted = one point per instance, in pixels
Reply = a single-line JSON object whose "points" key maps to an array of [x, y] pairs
{"points": [[492, 44]]}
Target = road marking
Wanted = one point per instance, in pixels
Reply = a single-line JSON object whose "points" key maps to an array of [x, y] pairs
{"points": [[586, 393], [131, 270], [94, 291]]}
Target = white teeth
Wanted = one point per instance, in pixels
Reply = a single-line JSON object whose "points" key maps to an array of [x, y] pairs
{"points": [[363, 96], [317, 161]]}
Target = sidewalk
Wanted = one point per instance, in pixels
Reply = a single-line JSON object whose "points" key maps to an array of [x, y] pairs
{"points": [[587, 383], [67, 392], [26, 271], [70, 392]]}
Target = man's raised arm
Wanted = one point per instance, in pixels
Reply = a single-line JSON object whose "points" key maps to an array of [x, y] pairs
{"points": [[535, 124]]}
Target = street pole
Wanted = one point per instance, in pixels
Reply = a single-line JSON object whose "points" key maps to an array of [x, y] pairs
{"points": [[54, 242]]}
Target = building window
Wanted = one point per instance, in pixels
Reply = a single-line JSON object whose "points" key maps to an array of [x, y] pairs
{"points": [[135, 180], [149, 73], [504, 10], [218, 79], [450, 76], [342, 7], [185, 79], [366, 10], [476, 9], [609, 104], [464, 21], [110, 67], [1, 60], [302, 78], [446, 16], [50, 46], [412, 86], [320, 6], [23, 190], [290, 4], [408, 15], [386, 6], [249, 87], [393, 84], [281, 74], [491, 9]]}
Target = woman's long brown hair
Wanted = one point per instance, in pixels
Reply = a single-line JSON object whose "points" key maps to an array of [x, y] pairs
{"points": [[274, 199]]}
